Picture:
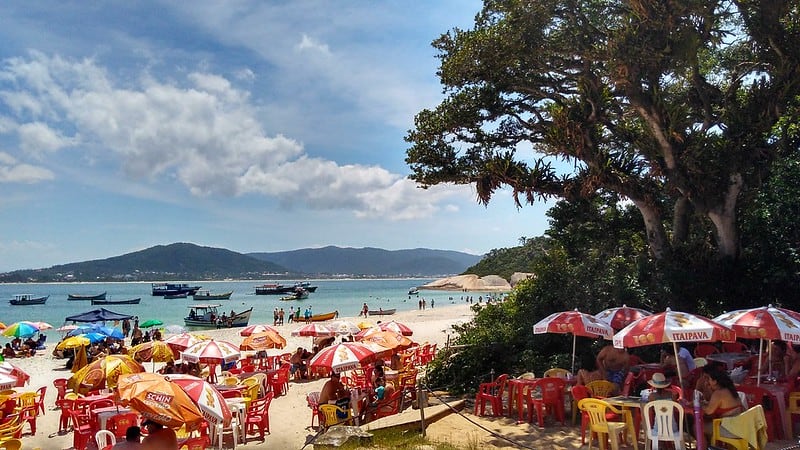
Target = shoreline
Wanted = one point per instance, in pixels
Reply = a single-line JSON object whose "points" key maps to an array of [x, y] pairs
{"points": [[432, 325]]}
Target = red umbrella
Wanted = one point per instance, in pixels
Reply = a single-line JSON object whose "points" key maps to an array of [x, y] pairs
{"points": [[575, 323], [314, 329], [159, 399], [397, 327], [766, 322], [181, 342], [341, 357], [211, 352], [6, 368], [209, 400], [361, 335], [253, 329], [621, 316], [672, 326]]}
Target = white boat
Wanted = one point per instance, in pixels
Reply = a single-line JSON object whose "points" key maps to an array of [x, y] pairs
{"points": [[205, 294], [208, 316]]}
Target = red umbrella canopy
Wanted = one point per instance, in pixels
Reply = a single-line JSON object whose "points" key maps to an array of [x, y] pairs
{"points": [[20, 375], [573, 322], [672, 326], [181, 342], [766, 322], [366, 332], [253, 329], [341, 357], [397, 327], [159, 399], [209, 400], [621, 316], [211, 352], [314, 329]]}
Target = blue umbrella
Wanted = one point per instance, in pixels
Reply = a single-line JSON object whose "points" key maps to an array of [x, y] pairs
{"points": [[111, 332], [94, 337], [83, 329], [21, 330]]}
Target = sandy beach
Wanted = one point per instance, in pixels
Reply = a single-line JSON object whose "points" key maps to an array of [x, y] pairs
{"points": [[290, 417]]}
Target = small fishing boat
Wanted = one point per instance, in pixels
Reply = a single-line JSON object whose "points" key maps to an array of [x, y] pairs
{"points": [[131, 301], [299, 294], [174, 296], [317, 317], [413, 291], [382, 312], [28, 299], [164, 289], [207, 316], [205, 294], [101, 296], [272, 289]]}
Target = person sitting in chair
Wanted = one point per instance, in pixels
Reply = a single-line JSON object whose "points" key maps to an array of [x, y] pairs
{"points": [[334, 393]]}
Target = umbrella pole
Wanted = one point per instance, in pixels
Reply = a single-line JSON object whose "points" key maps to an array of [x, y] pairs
{"points": [[760, 359], [574, 338], [677, 363], [769, 355]]}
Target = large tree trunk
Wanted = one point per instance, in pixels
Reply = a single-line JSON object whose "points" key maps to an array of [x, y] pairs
{"points": [[680, 220], [723, 216], [656, 235]]}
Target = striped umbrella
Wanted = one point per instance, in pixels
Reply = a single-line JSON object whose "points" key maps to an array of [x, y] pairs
{"points": [[263, 341], [181, 342], [575, 323], [211, 352], [22, 329], [341, 357], [397, 327], [210, 401], [621, 316], [315, 330], [253, 329]]}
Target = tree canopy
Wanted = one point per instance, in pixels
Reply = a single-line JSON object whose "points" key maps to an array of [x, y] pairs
{"points": [[678, 106]]}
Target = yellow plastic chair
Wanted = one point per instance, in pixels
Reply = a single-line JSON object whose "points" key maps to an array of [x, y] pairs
{"points": [[26, 399], [11, 444], [251, 393], [332, 413], [751, 426], [557, 372], [601, 388], [230, 381], [598, 423], [72, 396], [6, 434]]}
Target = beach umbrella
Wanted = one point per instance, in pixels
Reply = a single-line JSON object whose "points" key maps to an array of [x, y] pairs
{"points": [[397, 327], [181, 342], [672, 327], [21, 329], [344, 327], [2, 326], [7, 381], [10, 369], [211, 352], [575, 323], [67, 328], [73, 342], [388, 340], [158, 399], [253, 329], [366, 332], [766, 322], [42, 325], [103, 372], [210, 401], [314, 329], [263, 341], [341, 357], [155, 351], [151, 323], [94, 337], [621, 316], [81, 359]]}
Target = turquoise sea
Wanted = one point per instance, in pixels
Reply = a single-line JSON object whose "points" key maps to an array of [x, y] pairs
{"points": [[346, 296]]}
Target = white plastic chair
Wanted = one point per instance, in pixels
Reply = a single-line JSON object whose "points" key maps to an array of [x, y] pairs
{"points": [[104, 438], [665, 425]]}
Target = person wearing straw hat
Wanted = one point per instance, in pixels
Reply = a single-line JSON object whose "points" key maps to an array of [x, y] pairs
{"points": [[661, 388]]}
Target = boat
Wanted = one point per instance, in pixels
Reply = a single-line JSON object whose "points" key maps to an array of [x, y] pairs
{"points": [[174, 296], [205, 294], [413, 291], [86, 297], [382, 312], [316, 317], [305, 285], [298, 294], [130, 301], [208, 316], [28, 299], [163, 289], [272, 289]]}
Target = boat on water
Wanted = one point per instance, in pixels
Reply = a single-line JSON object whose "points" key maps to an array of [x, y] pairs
{"points": [[413, 291], [164, 289], [205, 294], [282, 289], [298, 294], [130, 301], [101, 296], [208, 316], [316, 317], [382, 312], [178, 295], [28, 299]]}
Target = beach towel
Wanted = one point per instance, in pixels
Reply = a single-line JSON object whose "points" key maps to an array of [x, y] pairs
{"points": [[750, 425]]}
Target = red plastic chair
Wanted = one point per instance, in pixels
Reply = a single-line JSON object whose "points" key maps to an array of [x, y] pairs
{"points": [[81, 429], [580, 392], [257, 417], [279, 381], [312, 399], [387, 407], [551, 400], [29, 414], [493, 393], [40, 393], [119, 424], [65, 405], [61, 387], [759, 396], [195, 443]]}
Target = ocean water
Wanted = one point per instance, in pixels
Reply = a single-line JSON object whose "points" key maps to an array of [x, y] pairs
{"points": [[346, 296]]}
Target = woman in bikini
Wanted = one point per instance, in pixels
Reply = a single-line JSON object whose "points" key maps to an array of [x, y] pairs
{"points": [[724, 399]]}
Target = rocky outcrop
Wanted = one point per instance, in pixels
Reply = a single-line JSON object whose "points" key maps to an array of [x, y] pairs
{"points": [[492, 283], [519, 276]]}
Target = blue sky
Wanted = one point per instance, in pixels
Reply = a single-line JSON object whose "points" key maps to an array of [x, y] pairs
{"points": [[251, 126]]}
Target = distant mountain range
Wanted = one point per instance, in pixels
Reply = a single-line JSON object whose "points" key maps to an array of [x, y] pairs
{"points": [[184, 261]]}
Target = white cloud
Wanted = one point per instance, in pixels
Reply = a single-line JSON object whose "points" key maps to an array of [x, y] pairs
{"points": [[12, 172], [309, 43], [203, 133]]}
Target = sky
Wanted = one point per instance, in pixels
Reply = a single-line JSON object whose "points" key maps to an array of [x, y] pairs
{"points": [[254, 126]]}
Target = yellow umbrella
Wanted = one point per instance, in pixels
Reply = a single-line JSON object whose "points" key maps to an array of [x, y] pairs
{"points": [[103, 373], [159, 399], [73, 342], [2, 326], [263, 341], [80, 360], [155, 351]]}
